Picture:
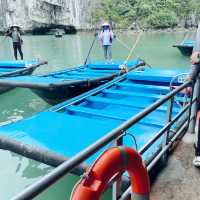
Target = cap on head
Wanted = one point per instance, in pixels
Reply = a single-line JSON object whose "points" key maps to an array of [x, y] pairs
{"points": [[105, 24], [15, 26]]}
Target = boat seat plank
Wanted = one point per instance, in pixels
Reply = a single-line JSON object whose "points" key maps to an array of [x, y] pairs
{"points": [[86, 74], [136, 104], [138, 94], [147, 87], [154, 120], [102, 71]]}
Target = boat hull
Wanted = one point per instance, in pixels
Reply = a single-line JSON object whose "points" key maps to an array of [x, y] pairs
{"points": [[57, 95], [58, 36], [5, 89], [21, 72], [59, 86], [185, 50]]}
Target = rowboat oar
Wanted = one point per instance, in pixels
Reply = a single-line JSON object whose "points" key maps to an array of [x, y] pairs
{"points": [[91, 47]]}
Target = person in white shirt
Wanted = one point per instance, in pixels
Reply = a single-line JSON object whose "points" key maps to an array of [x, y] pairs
{"points": [[106, 38]]}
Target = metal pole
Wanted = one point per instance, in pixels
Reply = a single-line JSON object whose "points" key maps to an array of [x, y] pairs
{"points": [[190, 105], [194, 106], [116, 188], [166, 136], [91, 47]]}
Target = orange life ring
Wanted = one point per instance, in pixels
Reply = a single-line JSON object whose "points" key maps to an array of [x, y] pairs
{"points": [[110, 164]]}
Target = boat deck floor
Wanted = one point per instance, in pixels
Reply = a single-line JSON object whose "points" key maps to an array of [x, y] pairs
{"points": [[180, 179], [69, 128], [96, 115]]}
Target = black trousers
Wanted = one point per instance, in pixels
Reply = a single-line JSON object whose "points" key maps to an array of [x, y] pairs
{"points": [[17, 47]]}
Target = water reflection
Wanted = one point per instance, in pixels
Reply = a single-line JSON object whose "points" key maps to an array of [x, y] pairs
{"points": [[17, 172]]}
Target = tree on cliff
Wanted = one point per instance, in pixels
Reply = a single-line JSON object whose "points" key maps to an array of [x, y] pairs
{"points": [[149, 13]]}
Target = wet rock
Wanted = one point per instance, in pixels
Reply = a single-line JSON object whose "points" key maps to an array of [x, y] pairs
{"points": [[30, 14]]}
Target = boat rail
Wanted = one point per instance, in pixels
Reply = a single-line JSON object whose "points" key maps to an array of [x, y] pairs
{"points": [[117, 135]]}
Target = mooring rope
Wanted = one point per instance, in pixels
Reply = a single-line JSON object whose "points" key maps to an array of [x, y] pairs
{"points": [[128, 48], [123, 44], [133, 47]]}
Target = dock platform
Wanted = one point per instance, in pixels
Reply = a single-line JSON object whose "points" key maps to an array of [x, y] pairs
{"points": [[179, 179]]}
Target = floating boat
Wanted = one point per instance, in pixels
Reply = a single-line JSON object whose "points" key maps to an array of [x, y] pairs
{"points": [[17, 68], [58, 34], [62, 131], [185, 47], [59, 86]]}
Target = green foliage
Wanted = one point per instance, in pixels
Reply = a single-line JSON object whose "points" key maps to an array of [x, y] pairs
{"points": [[162, 19], [149, 13]]}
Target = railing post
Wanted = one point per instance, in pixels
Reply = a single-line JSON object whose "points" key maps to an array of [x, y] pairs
{"points": [[166, 135], [117, 186], [194, 108], [191, 104]]}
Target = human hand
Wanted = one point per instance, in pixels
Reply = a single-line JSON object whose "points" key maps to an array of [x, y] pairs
{"points": [[195, 58]]}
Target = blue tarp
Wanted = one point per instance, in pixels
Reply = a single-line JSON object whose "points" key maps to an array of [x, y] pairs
{"points": [[71, 126]]}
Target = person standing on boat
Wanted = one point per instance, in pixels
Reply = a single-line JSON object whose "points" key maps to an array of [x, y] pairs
{"points": [[106, 37], [14, 33]]}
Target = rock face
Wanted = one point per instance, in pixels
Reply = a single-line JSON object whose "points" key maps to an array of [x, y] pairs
{"points": [[30, 14]]}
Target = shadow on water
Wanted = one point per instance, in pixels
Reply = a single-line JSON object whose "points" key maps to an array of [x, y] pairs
{"points": [[17, 172]]}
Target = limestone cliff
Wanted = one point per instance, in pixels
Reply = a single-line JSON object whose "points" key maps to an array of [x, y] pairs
{"points": [[30, 14]]}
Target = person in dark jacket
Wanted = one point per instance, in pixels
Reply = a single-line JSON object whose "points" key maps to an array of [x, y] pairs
{"points": [[196, 50], [195, 60], [14, 33]]}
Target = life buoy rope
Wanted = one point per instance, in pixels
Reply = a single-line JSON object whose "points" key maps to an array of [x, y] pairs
{"points": [[110, 164]]}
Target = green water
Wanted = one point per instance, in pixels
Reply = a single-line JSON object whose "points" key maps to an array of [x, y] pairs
{"points": [[17, 172]]}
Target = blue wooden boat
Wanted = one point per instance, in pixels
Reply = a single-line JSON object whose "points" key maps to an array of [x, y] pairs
{"points": [[59, 86], [17, 68], [62, 131], [185, 47]]}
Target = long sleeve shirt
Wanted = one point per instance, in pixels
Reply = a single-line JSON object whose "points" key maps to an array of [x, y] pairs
{"points": [[197, 42], [106, 37]]}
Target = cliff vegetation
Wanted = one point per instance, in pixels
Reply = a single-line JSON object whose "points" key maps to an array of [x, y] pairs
{"points": [[147, 13]]}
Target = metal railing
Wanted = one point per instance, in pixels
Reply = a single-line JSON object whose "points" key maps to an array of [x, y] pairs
{"points": [[117, 135]]}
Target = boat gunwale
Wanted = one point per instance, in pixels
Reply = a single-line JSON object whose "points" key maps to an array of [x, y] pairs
{"points": [[53, 86]]}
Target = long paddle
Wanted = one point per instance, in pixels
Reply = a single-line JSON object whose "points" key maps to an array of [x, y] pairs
{"points": [[91, 47]]}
